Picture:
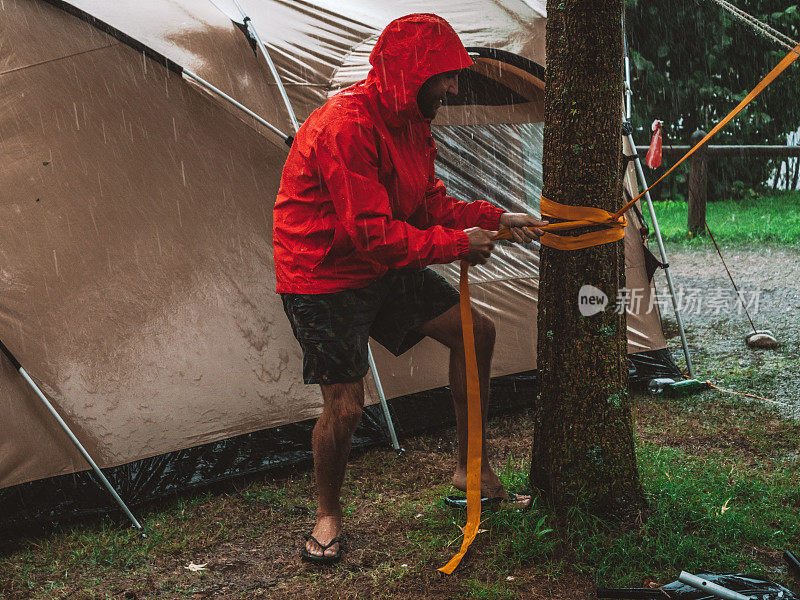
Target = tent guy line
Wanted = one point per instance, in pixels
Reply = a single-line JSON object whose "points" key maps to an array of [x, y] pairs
{"points": [[760, 27]]}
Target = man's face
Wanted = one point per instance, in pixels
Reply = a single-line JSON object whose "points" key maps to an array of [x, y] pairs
{"points": [[434, 91]]}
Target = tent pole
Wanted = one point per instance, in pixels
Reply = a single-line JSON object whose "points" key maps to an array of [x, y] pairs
{"points": [[242, 107], [651, 210], [641, 176], [384, 405], [251, 28], [71, 435]]}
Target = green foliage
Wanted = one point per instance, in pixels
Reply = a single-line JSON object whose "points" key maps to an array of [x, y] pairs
{"points": [[722, 480], [692, 63], [477, 589], [773, 218]]}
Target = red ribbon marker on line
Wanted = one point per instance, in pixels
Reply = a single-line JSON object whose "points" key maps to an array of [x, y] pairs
{"points": [[653, 158]]}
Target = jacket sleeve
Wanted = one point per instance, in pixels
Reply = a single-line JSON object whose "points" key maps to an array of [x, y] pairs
{"points": [[347, 158], [441, 209]]}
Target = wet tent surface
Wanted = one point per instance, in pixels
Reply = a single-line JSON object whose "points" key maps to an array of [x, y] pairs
{"points": [[138, 289]]}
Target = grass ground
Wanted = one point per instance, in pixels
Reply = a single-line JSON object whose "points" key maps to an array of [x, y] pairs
{"points": [[768, 218], [722, 480]]}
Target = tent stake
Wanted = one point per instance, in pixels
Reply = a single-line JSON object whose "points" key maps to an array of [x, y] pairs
{"points": [[71, 435]]}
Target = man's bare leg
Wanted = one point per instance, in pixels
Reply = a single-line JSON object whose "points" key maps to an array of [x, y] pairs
{"points": [[333, 433], [446, 328]]}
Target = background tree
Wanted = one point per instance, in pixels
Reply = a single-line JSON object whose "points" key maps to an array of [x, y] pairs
{"points": [[583, 447], [693, 62]]}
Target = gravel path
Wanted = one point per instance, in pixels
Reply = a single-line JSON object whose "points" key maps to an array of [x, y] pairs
{"points": [[769, 279]]}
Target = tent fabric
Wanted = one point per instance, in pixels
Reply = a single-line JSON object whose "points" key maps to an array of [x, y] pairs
{"points": [[308, 40], [135, 249], [37, 505], [42, 503]]}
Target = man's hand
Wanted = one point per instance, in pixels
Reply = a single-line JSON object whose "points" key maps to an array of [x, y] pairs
{"points": [[518, 224], [481, 245]]}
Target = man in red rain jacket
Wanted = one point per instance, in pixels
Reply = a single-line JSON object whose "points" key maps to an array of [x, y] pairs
{"points": [[359, 216]]}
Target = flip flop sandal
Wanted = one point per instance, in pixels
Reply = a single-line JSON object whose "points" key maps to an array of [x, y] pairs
{"points": [[321, 559], [460, 502]]}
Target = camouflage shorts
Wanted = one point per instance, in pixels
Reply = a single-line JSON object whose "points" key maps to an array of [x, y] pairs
{"points": [[333, 329]]}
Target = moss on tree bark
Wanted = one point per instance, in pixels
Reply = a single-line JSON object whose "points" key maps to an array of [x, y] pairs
{"points": [[583, 450]]}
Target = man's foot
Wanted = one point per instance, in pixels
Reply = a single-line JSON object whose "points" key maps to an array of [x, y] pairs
{"points": [[492, 488], [327, 528]]}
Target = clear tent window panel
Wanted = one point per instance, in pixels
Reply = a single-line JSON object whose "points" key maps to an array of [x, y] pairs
{"points": [[500, 163]]}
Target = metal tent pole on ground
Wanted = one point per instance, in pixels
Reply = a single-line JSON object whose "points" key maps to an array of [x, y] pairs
{"points": [[384, 404], [641, 176], [71, 435], [251, 29]]}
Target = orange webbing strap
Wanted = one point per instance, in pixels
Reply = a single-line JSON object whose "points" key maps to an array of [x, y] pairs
{"points": [[572, 213], [474, 425], [575, 216], [771, 76]]}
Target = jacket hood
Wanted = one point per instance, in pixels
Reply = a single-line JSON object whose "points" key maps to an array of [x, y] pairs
{"points": [[409, 51]]}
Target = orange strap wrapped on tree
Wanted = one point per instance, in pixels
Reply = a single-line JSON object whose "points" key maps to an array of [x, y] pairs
{"points": [[576, 216]]}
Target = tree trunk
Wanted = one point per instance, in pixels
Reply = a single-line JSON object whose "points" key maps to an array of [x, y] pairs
{"points": [[698, 186], [583, 450]]}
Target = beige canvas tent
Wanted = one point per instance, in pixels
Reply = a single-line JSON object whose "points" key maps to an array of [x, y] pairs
{"points": [[136, 272]]}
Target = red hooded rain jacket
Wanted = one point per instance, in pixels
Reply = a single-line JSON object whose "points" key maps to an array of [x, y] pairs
{"points": [[358, 194]]}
